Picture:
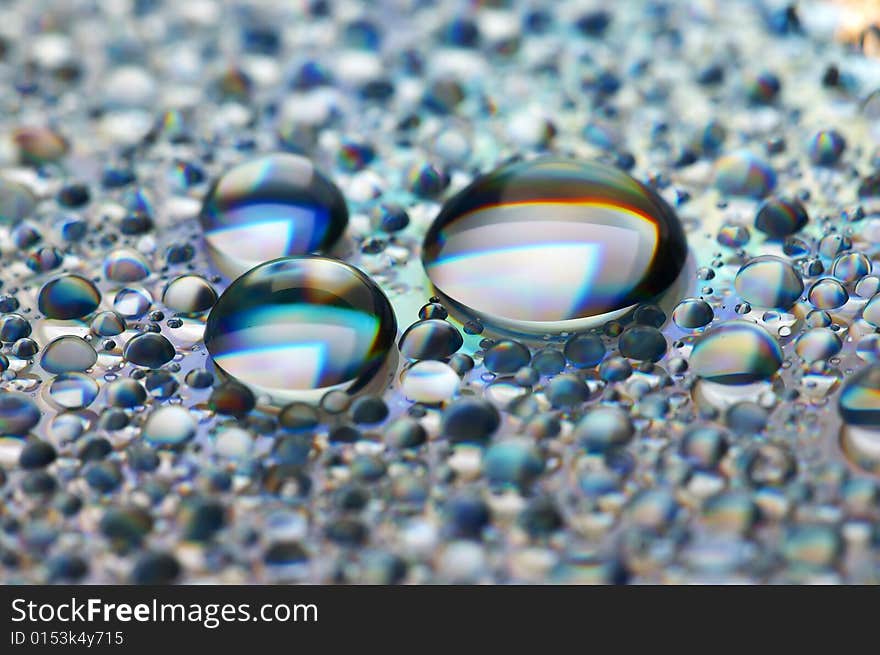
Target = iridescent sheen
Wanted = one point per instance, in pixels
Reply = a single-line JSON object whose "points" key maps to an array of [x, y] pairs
{"points": [[737, 352], [125, 265], [818, 344], [851, 266], [68, 296], [189, 294], [826, 147], [871, 311], [692, 314], [859, 401], [68, 353], [551, 245], [769, 282], [73, 390], [779, 217], [298, 326], [827, 293], [270, 207], [430, 339]]}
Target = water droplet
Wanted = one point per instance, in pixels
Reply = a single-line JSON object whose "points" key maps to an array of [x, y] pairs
{"points": [[73, 390], [133, 302], [16, 202], [271, 207], [743, 174], [692, 314], [566, 391], [430, 381], [149, 350], [832, 245], [737, 352], [189, 294], [67, 297], [826, 147], [232, 399], [859, 402], [39, 145], [108, 324], [18, 414], [769, 282], [643, 343], [871, 311], [851, 266], [551, 245], [827, 293], [770, 464], [582, 350], [703, 446], [470, 420], [14, 327], [301, 325], [68, 353], [818, 344], [780, 217], [169, 427], [125, 265], [430, 339], [514, 462], [126, 393], [506, 357], [603, 428], [861, 446]]}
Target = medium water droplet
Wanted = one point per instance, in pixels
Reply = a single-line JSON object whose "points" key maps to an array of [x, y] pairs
{"points": [[67, 297], [271, 207], [737, 352], [300, 326], [769, 282], [692, 314], [68, 353], [189, 294], [430, 381], [859, 402]]}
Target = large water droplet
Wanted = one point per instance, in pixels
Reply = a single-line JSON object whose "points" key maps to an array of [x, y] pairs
{"points": [[271, 207], [552, 245], [298, 326]]}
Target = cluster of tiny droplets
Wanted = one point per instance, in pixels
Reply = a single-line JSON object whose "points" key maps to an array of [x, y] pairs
{"points": [[728, 434]]}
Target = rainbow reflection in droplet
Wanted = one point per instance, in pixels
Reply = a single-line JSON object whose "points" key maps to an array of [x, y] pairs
{"points": [[270, 207], [737, 352], [552, 244], [859, 401], [769, 282], [297, 326], [859, 407]]}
